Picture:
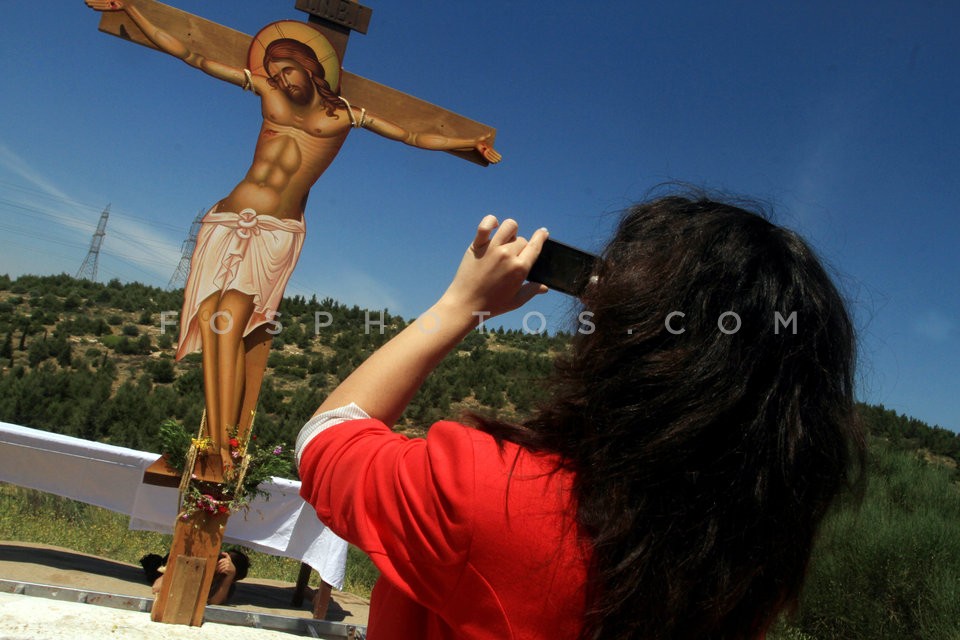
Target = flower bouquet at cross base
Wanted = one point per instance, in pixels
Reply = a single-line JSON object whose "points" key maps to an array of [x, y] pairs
{"points": [[253, 463]]}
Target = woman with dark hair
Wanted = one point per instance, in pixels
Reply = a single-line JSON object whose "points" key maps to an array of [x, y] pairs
{"points": [[672, 481]]}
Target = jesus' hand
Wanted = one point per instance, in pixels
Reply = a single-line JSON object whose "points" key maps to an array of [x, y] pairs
{"points": [[489, 154], [105, 5]]}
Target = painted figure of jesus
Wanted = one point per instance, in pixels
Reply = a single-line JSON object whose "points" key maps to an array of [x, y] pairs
{"points": [[250, 240]]}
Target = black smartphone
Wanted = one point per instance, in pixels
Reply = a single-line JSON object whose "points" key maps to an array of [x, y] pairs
{"points": [[563, 268]]}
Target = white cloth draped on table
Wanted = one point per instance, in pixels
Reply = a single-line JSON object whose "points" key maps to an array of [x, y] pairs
{"points": [[112, 477]]}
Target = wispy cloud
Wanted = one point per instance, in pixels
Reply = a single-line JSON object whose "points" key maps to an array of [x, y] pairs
{"points": [[138, 243], [12, 162]]}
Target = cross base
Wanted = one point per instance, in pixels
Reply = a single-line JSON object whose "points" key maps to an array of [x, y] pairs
{"points": [[190, 569], [195, 551]]}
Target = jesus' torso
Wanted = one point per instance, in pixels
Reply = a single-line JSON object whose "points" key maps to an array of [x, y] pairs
{"points": [[295, 146]]}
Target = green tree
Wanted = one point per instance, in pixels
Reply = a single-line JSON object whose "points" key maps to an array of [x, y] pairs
{"points": [[38, 352], [63, 351], [162, 371], [72, 302]]}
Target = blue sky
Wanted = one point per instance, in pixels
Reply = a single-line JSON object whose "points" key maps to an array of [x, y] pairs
{"points": [[842, 118]]}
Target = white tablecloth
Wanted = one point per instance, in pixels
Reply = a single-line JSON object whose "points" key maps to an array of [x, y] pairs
{"points": [[112, 477]]}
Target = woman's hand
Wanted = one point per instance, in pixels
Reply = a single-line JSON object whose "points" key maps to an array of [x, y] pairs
{"points": [[490, 278], [489, 281]]}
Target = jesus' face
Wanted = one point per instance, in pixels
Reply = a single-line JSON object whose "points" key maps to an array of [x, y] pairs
{"points": [[291, 78]]}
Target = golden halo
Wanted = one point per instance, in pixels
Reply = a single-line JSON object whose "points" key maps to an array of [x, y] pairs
{"points": [[305, 33]]}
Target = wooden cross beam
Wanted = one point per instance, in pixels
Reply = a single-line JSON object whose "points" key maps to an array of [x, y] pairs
{"points": [[217, 42]]}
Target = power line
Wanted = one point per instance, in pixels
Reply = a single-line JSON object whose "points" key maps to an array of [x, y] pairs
{"points": [[144, 249], [52, 206], [73, 204]]}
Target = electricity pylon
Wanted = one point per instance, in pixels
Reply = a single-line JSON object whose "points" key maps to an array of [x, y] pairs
{"points": [[179, 276], [88, 270]]}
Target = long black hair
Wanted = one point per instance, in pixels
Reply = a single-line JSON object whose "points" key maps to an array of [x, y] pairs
{"points": [[707, 411]]}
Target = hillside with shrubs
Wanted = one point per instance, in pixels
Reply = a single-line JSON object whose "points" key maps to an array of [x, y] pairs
{"points": [[95, 361]]}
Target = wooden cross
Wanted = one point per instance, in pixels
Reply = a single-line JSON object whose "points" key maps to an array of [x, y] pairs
{"points": [[197, 540], [217, 42]]}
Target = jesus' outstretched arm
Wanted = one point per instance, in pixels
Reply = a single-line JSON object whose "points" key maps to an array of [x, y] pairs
{"points": [[169, 44]]}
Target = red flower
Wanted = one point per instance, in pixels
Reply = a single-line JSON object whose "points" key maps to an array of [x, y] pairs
{"points": [[223, 509], [234, 443]]}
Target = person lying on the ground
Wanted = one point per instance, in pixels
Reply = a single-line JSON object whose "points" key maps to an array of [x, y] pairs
{"points": [[232, 566]]}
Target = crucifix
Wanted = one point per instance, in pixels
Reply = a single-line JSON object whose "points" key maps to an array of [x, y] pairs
{"points": [[250, 240]]}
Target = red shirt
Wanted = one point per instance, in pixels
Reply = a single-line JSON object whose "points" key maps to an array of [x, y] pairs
{"points": [[471, 541]]}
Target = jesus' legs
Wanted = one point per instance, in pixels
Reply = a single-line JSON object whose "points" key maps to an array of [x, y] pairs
{"points": [[208, 338], [257, 346], [222, 321], [233, 314]]}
